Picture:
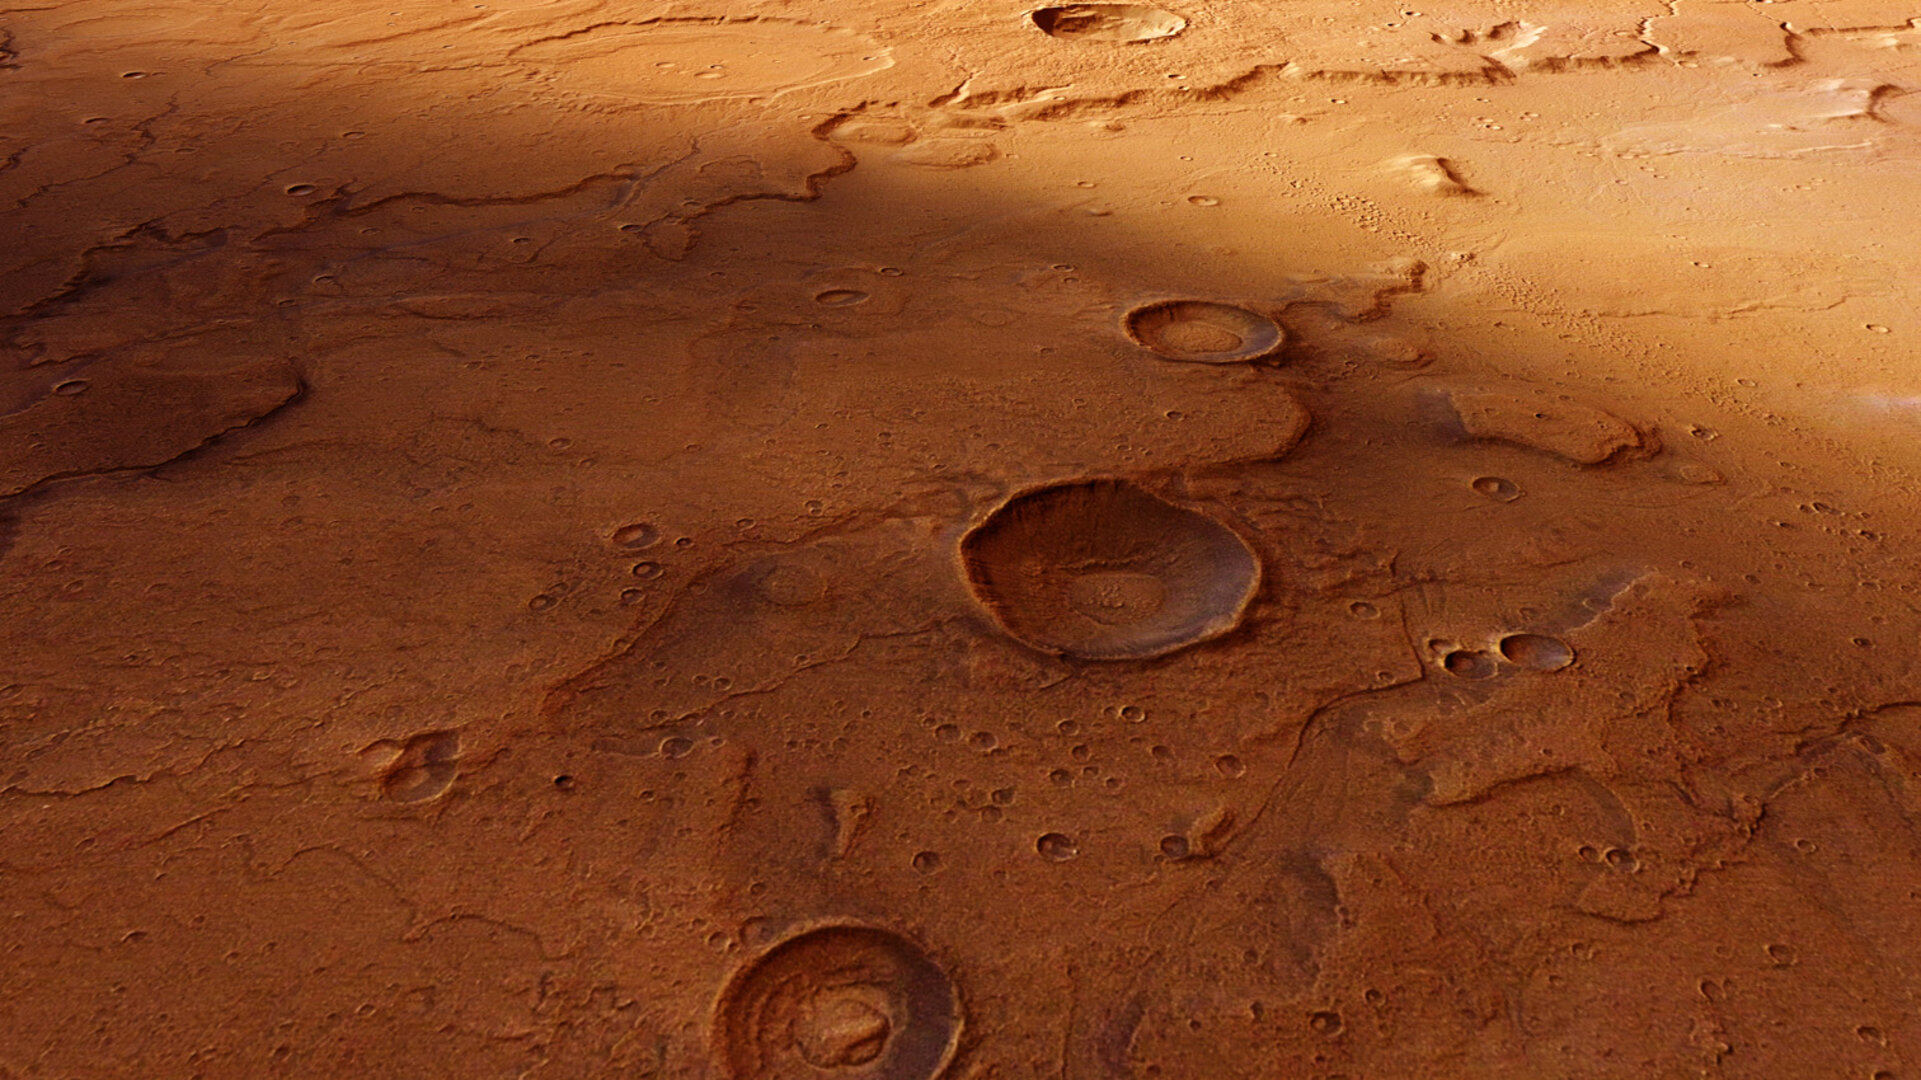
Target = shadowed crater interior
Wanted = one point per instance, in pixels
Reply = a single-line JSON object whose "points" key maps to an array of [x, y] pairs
{"points": [[1103, 570]]}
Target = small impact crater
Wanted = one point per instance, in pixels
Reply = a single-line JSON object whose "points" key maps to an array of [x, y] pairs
{"points": [[840, 297], [1203, 332], [850, 1000], [636, 535], [1537, 651], [1056, 847], [1102, 570], [1468, 664], [1498, 488], [1124, 23]]}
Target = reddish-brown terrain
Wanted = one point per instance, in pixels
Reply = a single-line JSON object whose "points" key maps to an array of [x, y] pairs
{"points": [[866, 541]]}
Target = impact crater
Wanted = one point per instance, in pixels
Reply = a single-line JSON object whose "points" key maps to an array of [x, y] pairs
{"points": [[1103, 570], [844, 1001], [1123, 23], [1203, 332]]}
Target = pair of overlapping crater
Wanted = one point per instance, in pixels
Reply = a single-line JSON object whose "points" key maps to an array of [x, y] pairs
{"points": [[845, 1001], [1101, 569]]}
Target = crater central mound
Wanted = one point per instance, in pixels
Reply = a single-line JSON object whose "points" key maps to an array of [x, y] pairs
{"points": [[1102, 570], [846, 1001], [1203, 332]]}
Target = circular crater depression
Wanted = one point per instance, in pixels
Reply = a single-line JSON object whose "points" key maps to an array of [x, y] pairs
{"points": [[850, 1002], [1203, 332], [1103, 570], [1108, 22], [1537, 651]]}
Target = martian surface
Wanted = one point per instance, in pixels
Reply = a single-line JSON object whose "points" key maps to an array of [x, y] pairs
{"points": [[780, 540]]}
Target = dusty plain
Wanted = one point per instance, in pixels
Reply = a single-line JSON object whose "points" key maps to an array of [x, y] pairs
{"points": [[864, 541]]}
